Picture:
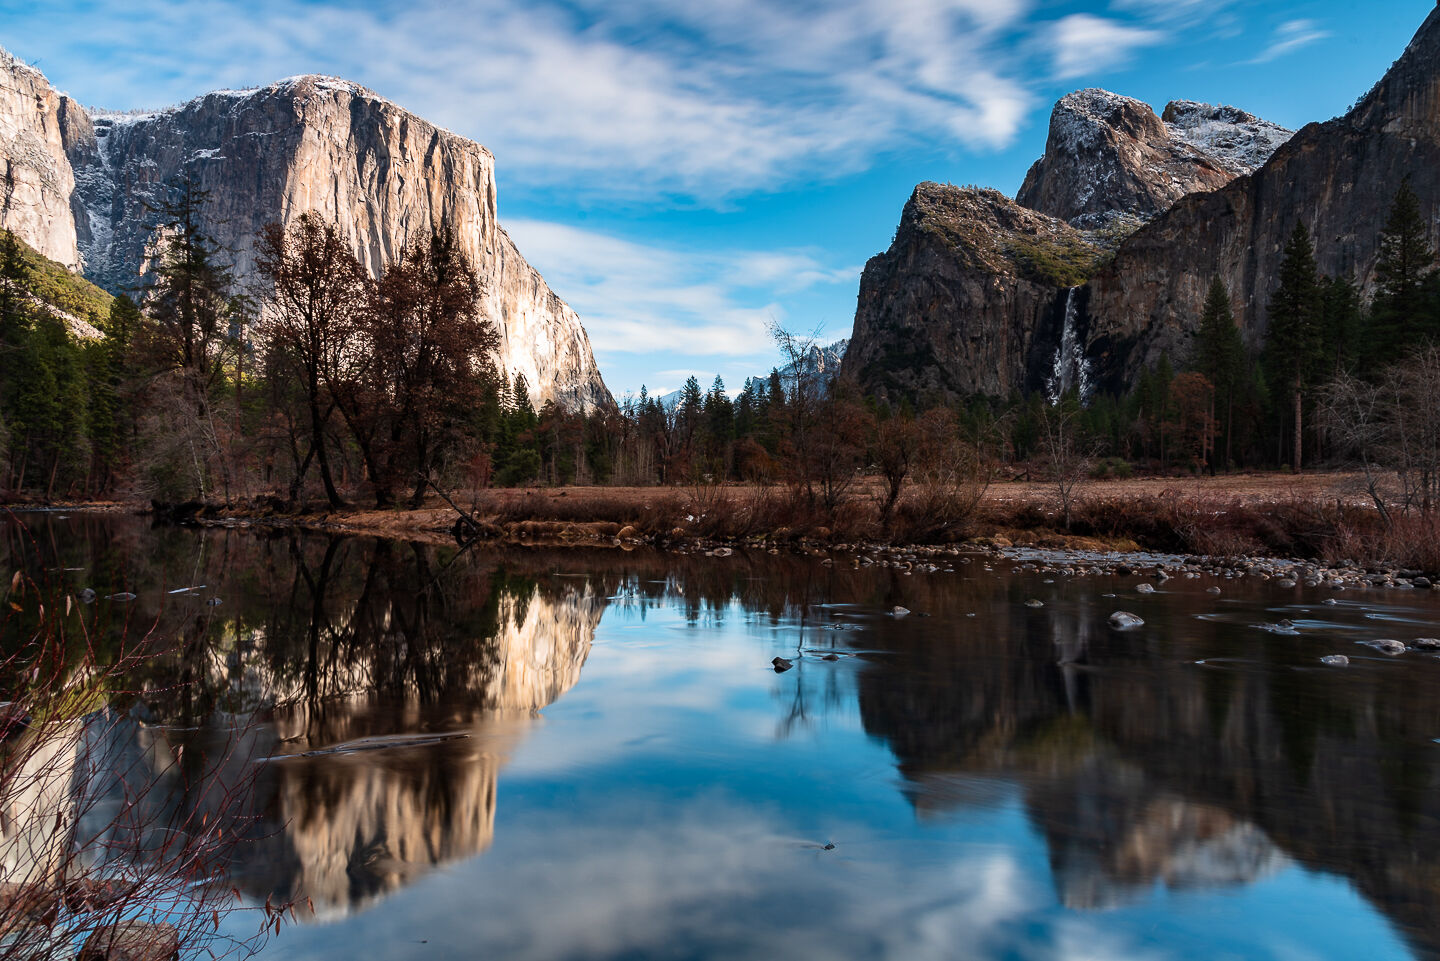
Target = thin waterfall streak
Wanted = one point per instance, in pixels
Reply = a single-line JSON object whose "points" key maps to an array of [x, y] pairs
{"points": [[1071, 368]]}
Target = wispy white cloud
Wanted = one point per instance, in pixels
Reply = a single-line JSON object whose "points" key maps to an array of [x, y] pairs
{"points": [[1289, 37], [1169, 10], [613, 99], [1083, 43], [646, 299]]}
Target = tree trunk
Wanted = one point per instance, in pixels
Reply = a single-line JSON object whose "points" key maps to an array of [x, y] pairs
{"points": [[317, 443], [1229, 428], [1298, 430]]}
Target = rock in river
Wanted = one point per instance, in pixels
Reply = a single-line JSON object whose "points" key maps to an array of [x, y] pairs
{"points": [[1123, 620]]}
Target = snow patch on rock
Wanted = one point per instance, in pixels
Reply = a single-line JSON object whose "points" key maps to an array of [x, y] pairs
{"points": [[1241, 142]]}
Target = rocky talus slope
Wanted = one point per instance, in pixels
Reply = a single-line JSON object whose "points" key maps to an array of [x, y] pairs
{"points": [[83, 183]]}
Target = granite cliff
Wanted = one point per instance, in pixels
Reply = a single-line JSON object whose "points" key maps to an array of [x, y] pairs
{"points": [[1339, 177], [1106, 159], [970, 298], [36, 181], [982, 294], [1110, 158], [77, 185]]}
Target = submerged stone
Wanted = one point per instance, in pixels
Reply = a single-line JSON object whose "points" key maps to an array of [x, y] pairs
{"points": [[1123, 620]]}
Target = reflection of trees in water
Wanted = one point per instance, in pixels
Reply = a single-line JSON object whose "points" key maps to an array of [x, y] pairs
{"points": [[1141, 767], [1138, 766], [333, 640]]}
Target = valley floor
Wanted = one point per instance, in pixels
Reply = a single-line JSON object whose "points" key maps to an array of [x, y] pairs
{"points": [[1324, 516]]}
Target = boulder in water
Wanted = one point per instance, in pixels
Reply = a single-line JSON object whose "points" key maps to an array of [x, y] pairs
{"points": [[1124, 620]]}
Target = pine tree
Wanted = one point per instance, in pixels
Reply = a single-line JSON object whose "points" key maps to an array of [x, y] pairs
{"points": [[1293, 342], [1220, 356], [1401, 313], [189, 295], [188, 301], [13, 274], [1341, 325], [111, 417]]}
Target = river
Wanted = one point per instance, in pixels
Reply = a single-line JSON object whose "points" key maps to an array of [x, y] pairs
{"points": [[978, 778]]}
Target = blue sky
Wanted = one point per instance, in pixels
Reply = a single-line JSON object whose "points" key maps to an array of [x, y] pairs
{"points": [[685, 171]]}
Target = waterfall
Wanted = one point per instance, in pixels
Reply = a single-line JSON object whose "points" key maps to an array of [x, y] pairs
{"points": [[1071, 369]]}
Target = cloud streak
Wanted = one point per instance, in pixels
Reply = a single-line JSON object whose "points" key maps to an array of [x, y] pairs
{"points": [[1083, 44], [692, 98], [1289, 37], [641, 299]]}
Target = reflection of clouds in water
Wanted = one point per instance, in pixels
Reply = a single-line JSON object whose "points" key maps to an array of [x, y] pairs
{"points": [[715, 879], [1075, 939], [717, 671]]}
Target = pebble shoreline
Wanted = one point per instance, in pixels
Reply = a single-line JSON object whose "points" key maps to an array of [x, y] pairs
{"points": [[1286, 572]]}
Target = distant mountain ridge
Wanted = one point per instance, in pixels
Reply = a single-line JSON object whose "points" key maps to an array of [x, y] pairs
{"points": [[77, 186], [818, 365]]}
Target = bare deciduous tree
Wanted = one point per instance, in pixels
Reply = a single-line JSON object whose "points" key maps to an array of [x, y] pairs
{"points": [[316, 291], [1066, 454]]}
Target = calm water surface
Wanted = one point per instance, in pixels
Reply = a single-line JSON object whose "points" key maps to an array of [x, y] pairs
{"points": [[980, 779]]}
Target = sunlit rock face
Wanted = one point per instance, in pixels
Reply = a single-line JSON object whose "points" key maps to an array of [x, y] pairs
{"points": [[1109, 157], [82, 189], [36, 182]]}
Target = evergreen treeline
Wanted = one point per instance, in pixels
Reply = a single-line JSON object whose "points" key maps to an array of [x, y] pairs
{"points": [[323, 381]]}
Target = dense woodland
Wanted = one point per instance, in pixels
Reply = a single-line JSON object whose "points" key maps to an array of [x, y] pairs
{"points": [[323, 382]]}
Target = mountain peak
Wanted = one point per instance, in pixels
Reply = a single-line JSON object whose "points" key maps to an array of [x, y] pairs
{"points": [[1240, 141], [1110, 157]]}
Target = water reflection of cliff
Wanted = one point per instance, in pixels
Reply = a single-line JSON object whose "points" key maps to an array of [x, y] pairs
{"points": [[352, 665], [346, 827], [1141, 767], [1138, 767]]}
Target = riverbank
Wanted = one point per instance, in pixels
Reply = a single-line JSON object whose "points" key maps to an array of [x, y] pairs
{"points": [[1324, 518]]}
